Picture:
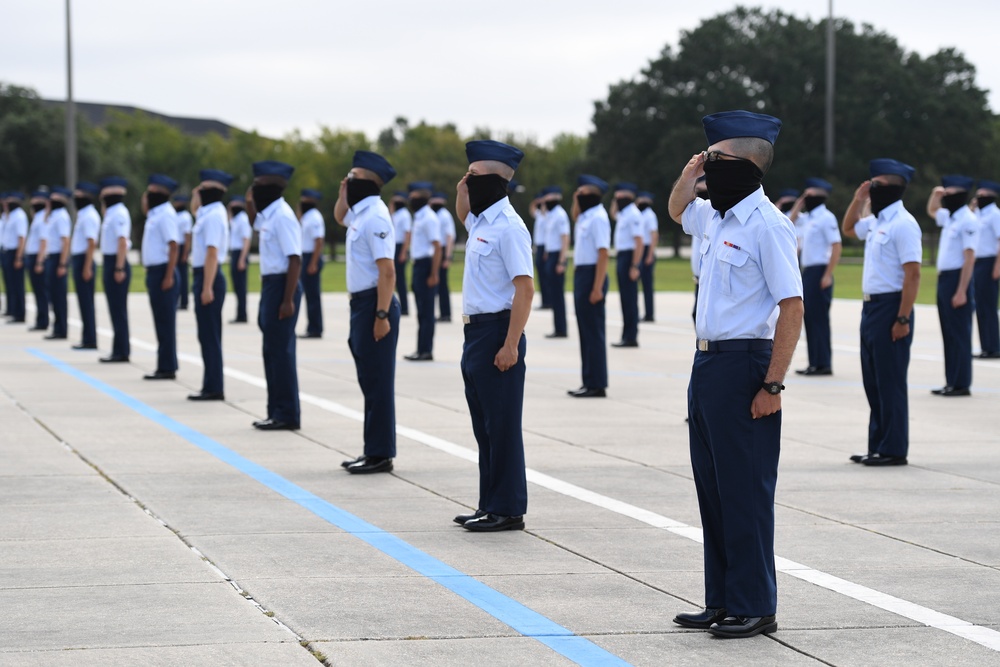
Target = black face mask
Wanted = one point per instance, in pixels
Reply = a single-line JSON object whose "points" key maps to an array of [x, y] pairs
{"points": [[551, 205], [437, 207], [154, 199], [211, 195], [417, 203], [179, 206], [730, 182], [701, 194], [954, 201], [81, 202], [884, 195], [786, 207], [306, 206], [623, 202], [588, 201], [361, 188], [236, 210], [265, 195], [396, 205], [812, 202], [56, 205], [485, 190], [983, 202], [111, 200], [37, 207], [642, 207]]}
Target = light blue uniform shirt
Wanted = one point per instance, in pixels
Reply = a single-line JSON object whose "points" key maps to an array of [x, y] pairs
{"points": [[556, 226], [650, 224], [15, 228], [426, 230], [819, 232], [87, 227], [209, 231], [185, 223], [628, 226], [313, 227], [280, 237], [3, 229], [989, 231], [538, 236], [696, 256], [891, 240], [239, 230], [160, 229], [371, 236], [402, 220], [117, 224], [498, 250], [960, 232], [592, 232], [748, 265], [60, 226], [447, 224], [36, 232]]}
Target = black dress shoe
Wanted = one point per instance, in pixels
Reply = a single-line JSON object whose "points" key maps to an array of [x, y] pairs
{"points": [[56, 337], [571, 392], [988, 355], [883, 460], [16, 321], [556, 334], [420, 356], [38, 329], [735, 627], [310, 335], [444, 319], [815, 370], [492, 523], [345, 464], [114, 359], [858, 458], [207, 396], [952, 391], [586, 392], [160, 375], [238, 321], [626, 343], [700, 620], [81, 346], [648, 319], [369, 465], [275, 425], [463, 519]]}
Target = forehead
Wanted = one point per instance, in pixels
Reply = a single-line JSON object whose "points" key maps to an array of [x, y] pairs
{"points": [[482, 167], [725, 146]]}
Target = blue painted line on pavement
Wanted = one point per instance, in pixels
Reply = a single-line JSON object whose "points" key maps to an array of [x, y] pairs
{"points": [[507, 610]]}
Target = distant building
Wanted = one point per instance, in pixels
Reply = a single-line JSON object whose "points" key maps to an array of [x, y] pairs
{"points": [[98, 115]]}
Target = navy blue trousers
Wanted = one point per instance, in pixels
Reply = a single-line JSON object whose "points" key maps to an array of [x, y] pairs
{"points": [[184, 269], [117, 296], [590, 322], [496, 402], [556, 283], [423, 296], [816, 318], [956, 330], [14, 282], [884, 365], [444, 293], [401, 291], [543, 288], [5, 271], [311, 289], [209, 321], [646, 276], [375, 362], [987, 291], [37, 281], [85, 299], [280, 370], [628, 291], [735, 463], [163, 303], [239, 279], [57, 287]]}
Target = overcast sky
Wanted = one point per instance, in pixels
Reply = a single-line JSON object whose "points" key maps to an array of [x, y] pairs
{"points": [[530, 67]]}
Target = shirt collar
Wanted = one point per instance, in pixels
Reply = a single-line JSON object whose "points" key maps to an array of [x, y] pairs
{"points": [[160, 210], [364, 204], [494, 210], [272, 208], [746, 206], [891, 211]]}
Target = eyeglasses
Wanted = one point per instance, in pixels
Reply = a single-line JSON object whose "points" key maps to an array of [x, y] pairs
{"points": [[712, 156]]}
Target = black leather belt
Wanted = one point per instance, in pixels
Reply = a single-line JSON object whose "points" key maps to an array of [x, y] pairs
{"points": [[737, 345], [364, 292], [883, 297], [486, 317]]}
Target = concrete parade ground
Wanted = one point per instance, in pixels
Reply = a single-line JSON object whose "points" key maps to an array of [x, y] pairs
{"points": [[139, 528]]}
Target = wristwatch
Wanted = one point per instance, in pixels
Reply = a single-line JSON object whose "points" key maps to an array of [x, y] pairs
{"points": [[773, 388], [902, 319], [382, 314]]}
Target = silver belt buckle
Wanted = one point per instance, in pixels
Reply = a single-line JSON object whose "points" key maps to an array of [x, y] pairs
{"points": [[702, 345], [867, 297], [466, 319]]}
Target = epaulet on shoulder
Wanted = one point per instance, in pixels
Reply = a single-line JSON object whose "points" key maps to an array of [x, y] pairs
{"points": [[772, 216]]}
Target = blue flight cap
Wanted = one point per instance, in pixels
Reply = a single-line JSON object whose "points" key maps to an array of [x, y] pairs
{"points": [[588, 179], [439, 195], [628, 187], [62, 190], [273, 168], [237, 199], [733, 124], [645, 194], [14, 194], [990, 185], [957, 181], [183, 199], [216, 175], [311, 193], [496, 151], [884, 166], [113, 181], [819, 183], [399, 193], [789, 192], [375, 163], [551, 190], [44, 194], [420, 185], [88, 187], [163, 181]]}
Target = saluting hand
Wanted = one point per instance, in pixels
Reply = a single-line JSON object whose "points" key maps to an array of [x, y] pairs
{"points": [[505, 358], [381, 328], [863, 193], [765, 404]]}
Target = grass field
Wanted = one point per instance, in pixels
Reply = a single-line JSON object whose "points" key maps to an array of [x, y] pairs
{"points": [[672, 275]]}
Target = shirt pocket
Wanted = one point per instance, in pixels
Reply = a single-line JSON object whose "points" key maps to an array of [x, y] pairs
{"points": [[733, 270], [477, 254]]}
